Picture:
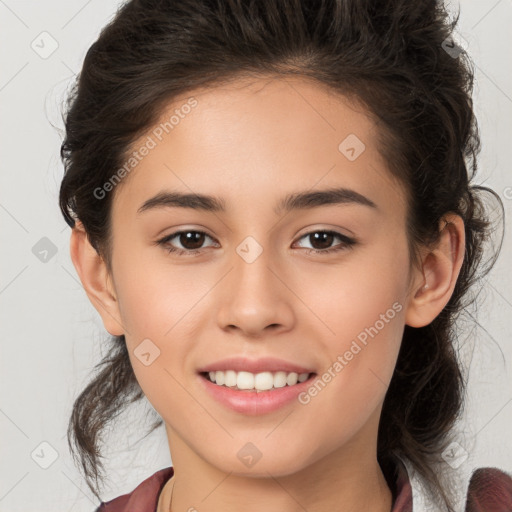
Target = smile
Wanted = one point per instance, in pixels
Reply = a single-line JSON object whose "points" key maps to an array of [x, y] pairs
{"points": [[262, 381], [250, 400]]}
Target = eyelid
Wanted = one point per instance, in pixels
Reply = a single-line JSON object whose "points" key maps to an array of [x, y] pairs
{"points": [[346, 241], [167, 238]]}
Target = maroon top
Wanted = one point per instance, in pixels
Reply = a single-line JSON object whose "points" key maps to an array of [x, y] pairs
{"points": [[490, 490]]}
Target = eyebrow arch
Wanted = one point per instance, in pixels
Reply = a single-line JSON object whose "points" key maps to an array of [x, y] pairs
{"points": [[294, 201]]}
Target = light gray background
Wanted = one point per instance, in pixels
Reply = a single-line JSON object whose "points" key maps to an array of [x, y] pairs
{"points": [[51, 334]]}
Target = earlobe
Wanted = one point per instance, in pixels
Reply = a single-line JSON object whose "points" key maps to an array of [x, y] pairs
{"points": [[441, 267], [95, 278]]}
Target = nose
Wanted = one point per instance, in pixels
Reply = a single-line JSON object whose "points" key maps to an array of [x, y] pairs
{"points": [[255, 298]]}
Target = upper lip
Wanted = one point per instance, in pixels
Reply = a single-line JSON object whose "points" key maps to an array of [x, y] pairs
{"points": [[244, 364]]}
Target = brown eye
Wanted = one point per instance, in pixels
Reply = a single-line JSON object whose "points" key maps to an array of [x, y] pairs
{"points": [[190, 240], [322, 241]]}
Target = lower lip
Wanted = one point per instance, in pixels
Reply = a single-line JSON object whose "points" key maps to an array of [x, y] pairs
{"points": [[254, 403]]}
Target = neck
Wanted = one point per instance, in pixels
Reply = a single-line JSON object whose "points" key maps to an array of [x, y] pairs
{"points": [[353, 480]]}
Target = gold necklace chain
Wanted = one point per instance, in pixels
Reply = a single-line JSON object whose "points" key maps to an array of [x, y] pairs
{"points": [[172, 492]]}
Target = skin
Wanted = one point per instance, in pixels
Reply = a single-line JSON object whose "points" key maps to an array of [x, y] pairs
{"points": [[251, 143]]}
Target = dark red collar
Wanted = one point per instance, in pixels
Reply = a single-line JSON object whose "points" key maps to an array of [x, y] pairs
{"points": [[490, 490]]}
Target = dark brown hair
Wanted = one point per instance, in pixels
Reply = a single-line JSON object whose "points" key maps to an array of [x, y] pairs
{"points": [[392, 57]]}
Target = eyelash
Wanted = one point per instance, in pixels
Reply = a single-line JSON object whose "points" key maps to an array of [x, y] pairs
{"points": [[346, 242]]}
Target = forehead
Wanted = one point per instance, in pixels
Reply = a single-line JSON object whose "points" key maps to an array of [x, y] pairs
{"points": [[255, 138]]}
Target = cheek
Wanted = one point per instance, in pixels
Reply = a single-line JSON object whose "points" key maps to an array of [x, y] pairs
{"points": [[354, 298], [350, 389], [362, 309], [154, 297], [161, 312]]}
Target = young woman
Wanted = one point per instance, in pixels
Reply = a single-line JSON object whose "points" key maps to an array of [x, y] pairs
{"points": [[273, 214]]}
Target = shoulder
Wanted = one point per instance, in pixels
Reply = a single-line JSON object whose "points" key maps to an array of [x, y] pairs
{"points": [[144, 498], [490, 490]]}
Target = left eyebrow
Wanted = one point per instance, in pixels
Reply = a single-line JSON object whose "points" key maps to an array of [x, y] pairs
{"points": [[294, 201], [316, 198]]}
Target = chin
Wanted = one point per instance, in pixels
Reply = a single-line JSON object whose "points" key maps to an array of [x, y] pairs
{"points": [[276, 465]]}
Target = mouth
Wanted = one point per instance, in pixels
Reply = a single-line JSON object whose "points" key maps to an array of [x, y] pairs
{"points": [[255, 386], [256, 382]]}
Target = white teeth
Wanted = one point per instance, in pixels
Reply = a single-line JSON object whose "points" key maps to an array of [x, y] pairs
{"points": [[292, 378], [244, 380], [280, 379], [260, 381], [229, 378], [264, 381]]}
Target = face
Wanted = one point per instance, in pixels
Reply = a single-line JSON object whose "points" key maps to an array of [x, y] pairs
{"points": [[320, 284]]}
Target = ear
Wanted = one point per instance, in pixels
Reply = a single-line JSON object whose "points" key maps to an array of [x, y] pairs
{"points": [[96, 280], [434, 286]]}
